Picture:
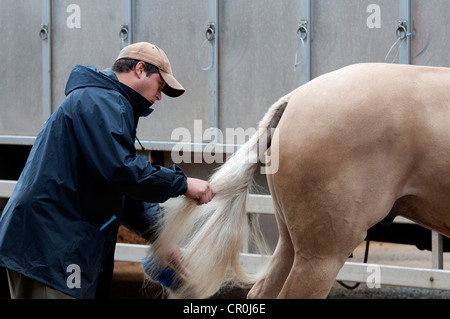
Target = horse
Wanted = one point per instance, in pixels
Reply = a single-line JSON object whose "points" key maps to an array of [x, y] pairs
{"points": [[354, 147]]}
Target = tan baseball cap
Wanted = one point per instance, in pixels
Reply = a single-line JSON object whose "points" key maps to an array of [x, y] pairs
{"points": [[150, 53]]}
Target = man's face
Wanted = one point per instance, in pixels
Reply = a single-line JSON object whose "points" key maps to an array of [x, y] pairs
{"points": [[150, 86]]}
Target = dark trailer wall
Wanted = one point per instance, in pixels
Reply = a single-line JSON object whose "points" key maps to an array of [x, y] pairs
{"points": [[235, 58]]}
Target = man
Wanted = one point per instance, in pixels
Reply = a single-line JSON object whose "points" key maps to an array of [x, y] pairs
{"points": [[83, 178]]}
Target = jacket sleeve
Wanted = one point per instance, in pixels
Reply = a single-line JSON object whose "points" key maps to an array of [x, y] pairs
{"points": [[104, 127]]}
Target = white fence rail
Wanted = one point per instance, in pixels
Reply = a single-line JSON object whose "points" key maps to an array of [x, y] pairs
{"points": [[6, 188], [372, 274]]}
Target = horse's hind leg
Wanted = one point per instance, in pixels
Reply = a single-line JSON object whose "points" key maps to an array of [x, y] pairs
{"points": [[319, 256], [282, 259], [325, 230]]}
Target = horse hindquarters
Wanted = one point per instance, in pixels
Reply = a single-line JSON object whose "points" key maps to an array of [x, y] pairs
{"points": [[329, 200], [351, 143], [325, 228]]}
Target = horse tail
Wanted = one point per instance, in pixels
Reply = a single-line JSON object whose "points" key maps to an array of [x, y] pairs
{"points": [[212, 235]]}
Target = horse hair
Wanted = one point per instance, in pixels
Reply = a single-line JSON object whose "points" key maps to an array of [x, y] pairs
{"points": [[212, 235]]}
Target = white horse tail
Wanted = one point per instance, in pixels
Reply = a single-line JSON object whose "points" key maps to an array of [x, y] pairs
{"points": [[212, 235]]}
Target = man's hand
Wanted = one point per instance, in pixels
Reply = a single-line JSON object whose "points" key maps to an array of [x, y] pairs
{"points": [[174, 260], [200, 190]]}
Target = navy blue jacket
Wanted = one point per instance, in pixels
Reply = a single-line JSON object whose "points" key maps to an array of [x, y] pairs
{"points": [[83, 170]]}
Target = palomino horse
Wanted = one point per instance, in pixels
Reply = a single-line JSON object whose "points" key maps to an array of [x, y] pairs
{"points": [[365, 143]]}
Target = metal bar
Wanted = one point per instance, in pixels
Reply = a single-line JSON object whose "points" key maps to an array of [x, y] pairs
{"points": [[46, 36], [188, 147], [214, 71], [149, 145], [305, 64], [260, 204], [126, 31], [17, 140], [405, 51], [437, 250], [6, 188], [396, 275], [131, 252]]}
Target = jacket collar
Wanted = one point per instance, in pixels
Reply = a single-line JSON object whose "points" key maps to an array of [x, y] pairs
{"points": [[140, 104], [87, 76]]}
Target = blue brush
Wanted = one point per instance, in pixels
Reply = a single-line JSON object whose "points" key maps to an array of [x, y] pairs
{"points": [[166, 276]]}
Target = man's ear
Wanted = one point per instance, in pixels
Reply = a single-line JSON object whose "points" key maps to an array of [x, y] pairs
{"points": [[140, 69]]}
